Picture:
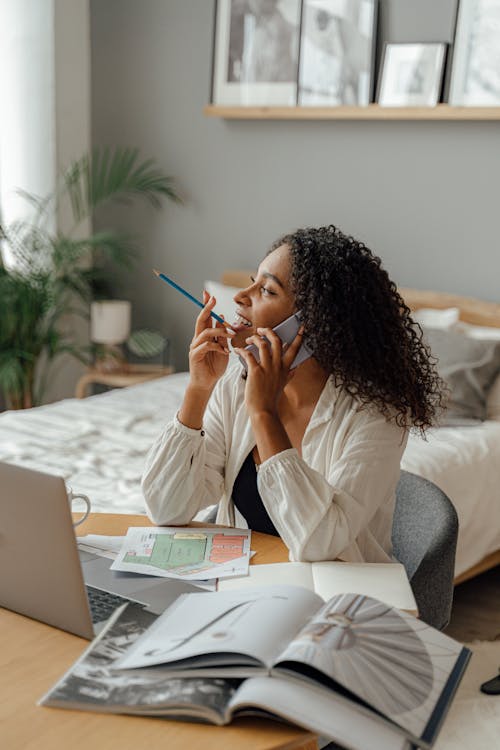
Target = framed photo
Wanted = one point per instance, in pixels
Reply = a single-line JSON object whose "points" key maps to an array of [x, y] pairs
{"points": [[256, 52], [475, 72], [411, 75], [337, 47]]}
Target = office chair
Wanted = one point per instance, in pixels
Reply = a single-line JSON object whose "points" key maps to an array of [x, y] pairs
{"points": [[424, 539]]}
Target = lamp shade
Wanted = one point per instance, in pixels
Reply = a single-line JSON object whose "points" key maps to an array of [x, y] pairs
{"points": [[110, 321]]}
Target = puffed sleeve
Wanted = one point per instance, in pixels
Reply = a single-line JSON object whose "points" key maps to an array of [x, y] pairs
{"points": [[319, 516], [184, 470]]}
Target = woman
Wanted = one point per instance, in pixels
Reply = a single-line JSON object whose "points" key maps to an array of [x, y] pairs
{"points": [[310, 453]]}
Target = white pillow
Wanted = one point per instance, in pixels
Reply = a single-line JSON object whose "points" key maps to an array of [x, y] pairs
{"points": [[432, 318], [226, 305], [490, 333], [448, 319]]}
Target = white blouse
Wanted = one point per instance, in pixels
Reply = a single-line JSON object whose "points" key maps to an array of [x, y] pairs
{"points": [[336, 501]]}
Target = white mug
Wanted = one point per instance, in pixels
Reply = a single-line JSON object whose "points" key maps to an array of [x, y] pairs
{"points": [[78, 496]]}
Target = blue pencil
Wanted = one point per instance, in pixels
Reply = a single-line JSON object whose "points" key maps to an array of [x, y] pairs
{"points": [[190, 296]]}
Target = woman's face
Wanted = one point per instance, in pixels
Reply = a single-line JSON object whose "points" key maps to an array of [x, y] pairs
{"points": [[268, 300]]}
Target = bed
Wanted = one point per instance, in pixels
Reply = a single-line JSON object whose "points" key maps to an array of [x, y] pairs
{"points": [[98, 444], [464, 461]]}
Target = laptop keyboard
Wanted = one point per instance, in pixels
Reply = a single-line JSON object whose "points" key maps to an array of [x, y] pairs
{"points": [[103, 604]]}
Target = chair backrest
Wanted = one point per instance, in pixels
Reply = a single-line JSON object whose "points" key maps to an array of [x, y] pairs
{"points": [[424, 539]]}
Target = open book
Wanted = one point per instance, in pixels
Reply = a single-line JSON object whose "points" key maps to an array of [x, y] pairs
{"points": [[353, 650], [387, 582], [94, 684]]}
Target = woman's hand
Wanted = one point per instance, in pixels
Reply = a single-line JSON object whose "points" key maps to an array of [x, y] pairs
{"points": [[209, 349], [267, 379]]}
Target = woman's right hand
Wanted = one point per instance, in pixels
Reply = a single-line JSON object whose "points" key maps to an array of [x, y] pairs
{"points": [[209, 349]]}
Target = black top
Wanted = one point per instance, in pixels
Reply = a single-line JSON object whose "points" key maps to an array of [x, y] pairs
{"points": [[248, 501]]}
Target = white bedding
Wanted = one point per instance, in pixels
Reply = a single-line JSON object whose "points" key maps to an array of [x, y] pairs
{"points": [[98, 444], [465, 463]]}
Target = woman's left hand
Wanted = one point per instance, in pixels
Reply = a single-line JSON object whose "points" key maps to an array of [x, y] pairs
{"points": [[266, 379]]}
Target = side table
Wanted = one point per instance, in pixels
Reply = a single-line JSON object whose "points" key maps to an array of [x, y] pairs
{"points": [[131, 375]]}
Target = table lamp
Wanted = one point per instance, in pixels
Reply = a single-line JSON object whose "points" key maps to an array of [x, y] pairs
{"points": [[109, 328]]}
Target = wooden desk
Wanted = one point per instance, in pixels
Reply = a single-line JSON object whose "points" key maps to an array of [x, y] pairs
{"points": [[33, 656]]}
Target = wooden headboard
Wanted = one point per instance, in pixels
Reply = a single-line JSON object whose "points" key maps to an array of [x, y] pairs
{"points": [[472, 310]]}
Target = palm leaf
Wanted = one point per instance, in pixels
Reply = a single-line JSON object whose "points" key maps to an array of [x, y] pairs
{"points": [[12, 373], [115, 174], [109, 246], [41, 204]]}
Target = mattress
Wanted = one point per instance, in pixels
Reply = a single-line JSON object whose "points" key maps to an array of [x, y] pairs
{"points": [[98, 445]]}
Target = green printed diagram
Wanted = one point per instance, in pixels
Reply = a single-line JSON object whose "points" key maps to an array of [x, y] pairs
{"points": [[185, 552]]}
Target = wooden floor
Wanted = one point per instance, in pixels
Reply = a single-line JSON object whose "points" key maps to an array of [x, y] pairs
{"points": [[476, 609]]}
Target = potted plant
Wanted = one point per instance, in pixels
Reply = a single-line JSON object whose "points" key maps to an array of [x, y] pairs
{"points": [[53, 274]]}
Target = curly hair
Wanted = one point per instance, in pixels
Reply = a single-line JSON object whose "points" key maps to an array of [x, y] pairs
{"points": [[359, 328]]}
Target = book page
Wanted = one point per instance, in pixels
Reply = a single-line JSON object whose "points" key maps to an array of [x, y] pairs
{"points": [[387, 582], [319, 711], [93, 684], [392, 661], [253, 623], [292, 573]]}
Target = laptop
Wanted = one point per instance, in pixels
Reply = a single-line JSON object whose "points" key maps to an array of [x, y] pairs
{"points": [[44, 576]]}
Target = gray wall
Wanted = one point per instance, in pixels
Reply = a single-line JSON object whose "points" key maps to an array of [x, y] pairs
{"points": [[423, 195]]}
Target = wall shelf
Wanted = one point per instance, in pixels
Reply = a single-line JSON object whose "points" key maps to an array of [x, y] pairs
{"points": [[371, 112]]}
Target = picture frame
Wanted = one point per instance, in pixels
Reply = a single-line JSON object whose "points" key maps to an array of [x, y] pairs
{"points": [[256, 52], [337, 52], [475, 70], [411, 74]]}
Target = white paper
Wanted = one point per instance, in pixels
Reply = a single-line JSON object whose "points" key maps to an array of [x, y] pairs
{"points": [[387, 582], [109, 546], [322, 712], [185, 553], [103, 546]]}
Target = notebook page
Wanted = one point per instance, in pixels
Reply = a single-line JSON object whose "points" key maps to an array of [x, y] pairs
{"points": [[387, 582], [294, 574]]}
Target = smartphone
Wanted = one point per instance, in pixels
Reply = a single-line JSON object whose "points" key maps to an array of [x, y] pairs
{"points": [[287, 330]]}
